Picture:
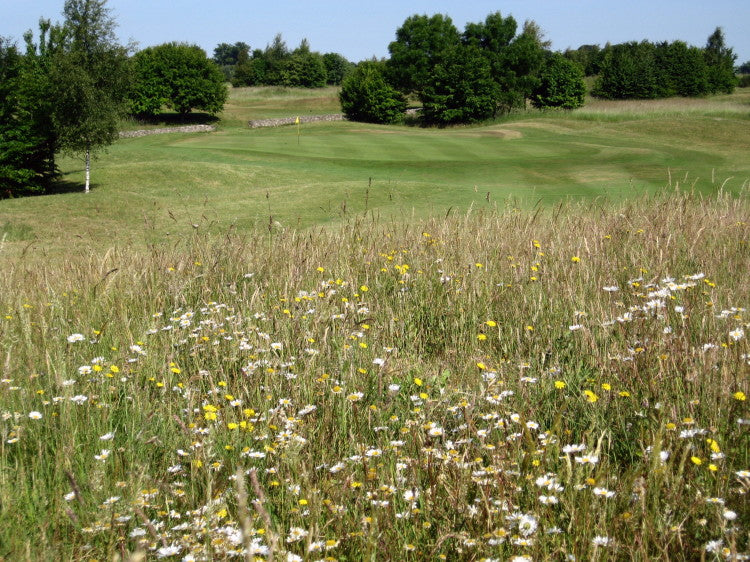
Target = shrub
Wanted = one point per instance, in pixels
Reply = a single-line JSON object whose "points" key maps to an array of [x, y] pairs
{"points": [[366, 96]]}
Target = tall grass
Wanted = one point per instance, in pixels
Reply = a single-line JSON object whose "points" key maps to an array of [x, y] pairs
{"points": [[566, 382]]}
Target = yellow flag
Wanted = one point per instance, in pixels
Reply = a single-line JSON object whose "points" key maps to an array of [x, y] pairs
{"points": [[296, 121]]}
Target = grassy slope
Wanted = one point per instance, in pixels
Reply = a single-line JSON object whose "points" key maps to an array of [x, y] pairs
{"points": [[151, 188]]}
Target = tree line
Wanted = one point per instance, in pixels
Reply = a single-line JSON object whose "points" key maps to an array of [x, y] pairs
{"points": [[646, 70], [461, 77], [277, 65], [493, 67]]}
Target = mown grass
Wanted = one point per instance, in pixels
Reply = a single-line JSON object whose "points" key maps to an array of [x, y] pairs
{"points": [[545, 383], [156, 188]]}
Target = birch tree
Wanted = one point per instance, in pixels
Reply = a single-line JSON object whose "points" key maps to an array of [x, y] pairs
{"points": [[90, 77]]}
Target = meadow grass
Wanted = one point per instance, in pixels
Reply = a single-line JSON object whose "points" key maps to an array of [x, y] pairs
{"points": [[564, 381]]}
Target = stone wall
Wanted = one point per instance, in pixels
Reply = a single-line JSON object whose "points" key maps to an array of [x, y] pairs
{"points": [[293, 120], [185, 129]]}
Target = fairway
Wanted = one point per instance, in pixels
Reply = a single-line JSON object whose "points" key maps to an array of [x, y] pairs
{"points": [[151, 188]]}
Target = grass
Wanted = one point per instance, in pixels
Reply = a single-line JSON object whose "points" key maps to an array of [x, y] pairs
{"points": [[565, 381], [502, 342], [156, 188]]}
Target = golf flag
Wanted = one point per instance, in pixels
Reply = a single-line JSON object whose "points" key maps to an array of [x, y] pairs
{"points": [[296, 122]]}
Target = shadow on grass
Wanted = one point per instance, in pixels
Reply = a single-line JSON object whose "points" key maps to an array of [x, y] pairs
{"points": [[66, 186], [176, 119]]}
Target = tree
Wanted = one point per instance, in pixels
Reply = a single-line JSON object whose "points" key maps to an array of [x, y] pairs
{"points": [[462, 89], [561, 84], [27, 155], [336, 68], [366, 96], [720, 61], [179, 76], [421, 44], [744, 68], [304, 68], [229, 55], [90, 80], [629, 71]]}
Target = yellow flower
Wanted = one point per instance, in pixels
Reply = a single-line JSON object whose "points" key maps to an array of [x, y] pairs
{"points": [[481, 366], [491, 323], [696, 461], [575, 259], [590, 396], [739, 395], [606, 386], [481, 337], [560, 384], [418, 381]]}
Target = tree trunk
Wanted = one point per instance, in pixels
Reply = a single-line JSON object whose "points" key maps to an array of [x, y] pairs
{"points": [[88, 168]]}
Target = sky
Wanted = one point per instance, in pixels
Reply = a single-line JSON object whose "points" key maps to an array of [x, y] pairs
{"points": [[363, 30]]}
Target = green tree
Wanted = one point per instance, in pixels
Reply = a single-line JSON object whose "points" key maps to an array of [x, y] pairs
{"points": [[336, 68], [462, 89], [629, 71], [90, 79], [720, 61], [422, 42], [681, 69], [27, 153], [304, 68], [178, 76], [226, 54], [366, 96], [561, 84]]}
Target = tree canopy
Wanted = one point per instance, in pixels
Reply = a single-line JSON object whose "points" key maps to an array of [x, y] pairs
{"points": [[179, 76]]}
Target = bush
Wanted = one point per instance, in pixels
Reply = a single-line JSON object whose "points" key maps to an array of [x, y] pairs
{"points": [[366, 96], [561, 84]]}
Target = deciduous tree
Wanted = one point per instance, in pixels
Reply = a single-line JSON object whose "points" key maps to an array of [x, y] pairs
{"points": [[178, 76], [366, 96]]}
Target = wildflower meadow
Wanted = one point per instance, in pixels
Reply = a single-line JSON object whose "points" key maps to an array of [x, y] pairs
{"points": [[567, 383]]}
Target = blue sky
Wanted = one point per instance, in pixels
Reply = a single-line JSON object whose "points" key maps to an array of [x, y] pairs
{"points": [[359, 30]]}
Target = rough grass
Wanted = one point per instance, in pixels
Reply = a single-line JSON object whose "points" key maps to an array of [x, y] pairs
{"points": [[561, 381]]}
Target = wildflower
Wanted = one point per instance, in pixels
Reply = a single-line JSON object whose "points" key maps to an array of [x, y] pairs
{"points": [[73, 338], [737, 334], [739, 395], [355, 397], [713, 546], [601, 541], [103, 455], [548, 500], [107, 437], [587, 459], [575, 259], [729, 515], [35, 415], [169, 550], [296, 534], [393, 388], [591, 396], [568, 449], [603, 492], [560, 385], [527, 524]]}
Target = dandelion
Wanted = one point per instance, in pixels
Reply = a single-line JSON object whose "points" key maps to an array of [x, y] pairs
{"points": [[739, 395]]}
